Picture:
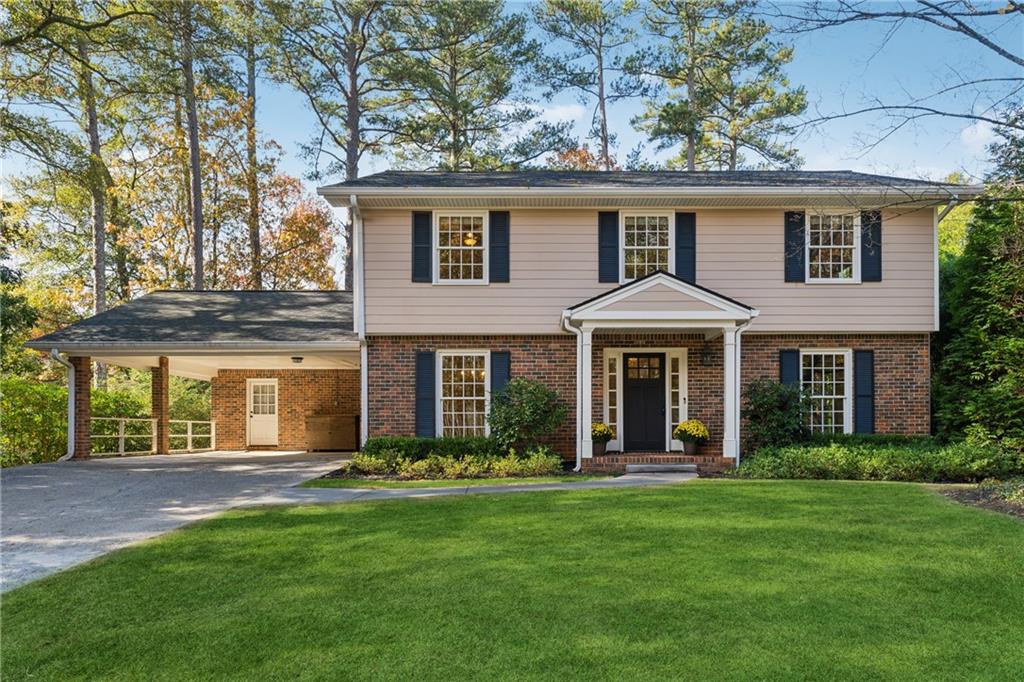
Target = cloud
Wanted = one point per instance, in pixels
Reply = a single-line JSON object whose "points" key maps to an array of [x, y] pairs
{"points": [[554, 113], [977, 137]]}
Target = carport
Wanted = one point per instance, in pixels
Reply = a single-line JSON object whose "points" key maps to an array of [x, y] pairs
{"points": [[284, 368]]}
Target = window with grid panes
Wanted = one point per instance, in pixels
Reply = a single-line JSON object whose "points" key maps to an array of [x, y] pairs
{"points": [[463, 394], [263, 399], [645, 245], [831, 246], [461, 251], [826, 376], [612, 393]]}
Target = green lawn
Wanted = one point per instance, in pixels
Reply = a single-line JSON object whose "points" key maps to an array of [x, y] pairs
{"points": [[714, 579], [449, 483]]}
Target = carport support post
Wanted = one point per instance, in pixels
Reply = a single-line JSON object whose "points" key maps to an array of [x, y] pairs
{"points": [[83, 406], [161, 407]]}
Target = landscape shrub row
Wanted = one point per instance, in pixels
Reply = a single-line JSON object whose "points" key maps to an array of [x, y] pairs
{"points": [[540, 461], [884, 459], [416, 448]]}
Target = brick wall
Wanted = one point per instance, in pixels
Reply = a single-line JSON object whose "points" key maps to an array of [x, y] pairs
{"points": [[705, 383], [901, 374], [392, 372], [902, 371], [301, 393]]}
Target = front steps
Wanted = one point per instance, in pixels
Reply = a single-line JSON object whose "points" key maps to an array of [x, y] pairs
{"points": [[652, 462], [661, 468]]}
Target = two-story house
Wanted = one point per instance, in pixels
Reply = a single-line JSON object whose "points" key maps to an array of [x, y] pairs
{"points": [[643, 298]]}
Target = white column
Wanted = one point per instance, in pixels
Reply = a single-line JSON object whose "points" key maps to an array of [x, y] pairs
{"points": [[587, 350], [729, 444]]}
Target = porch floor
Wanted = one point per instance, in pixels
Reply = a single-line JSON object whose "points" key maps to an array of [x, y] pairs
{"points": [[615, 462]]}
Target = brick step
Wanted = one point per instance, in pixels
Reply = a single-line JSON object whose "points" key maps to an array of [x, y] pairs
{"points": [[622, 462], [661, 468]]}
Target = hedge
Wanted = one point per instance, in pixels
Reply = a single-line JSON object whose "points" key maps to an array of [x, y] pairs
{"points": [[537, 462], [416, 448], [863, 460]]}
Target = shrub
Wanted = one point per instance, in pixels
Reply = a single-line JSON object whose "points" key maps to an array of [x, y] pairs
{"points": [[370, 465], [524, 413], [34, 421], [776, 415], [538, 462], [922, 461], [416, 447]]}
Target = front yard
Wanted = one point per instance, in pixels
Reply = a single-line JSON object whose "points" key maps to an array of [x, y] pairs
{"points": [[713, 579]]}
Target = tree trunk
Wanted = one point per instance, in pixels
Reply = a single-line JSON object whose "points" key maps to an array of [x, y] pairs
{"points": [[691, 134], [353, 139], [192, 120], [602, 112], [98, 190], [252, 178]]}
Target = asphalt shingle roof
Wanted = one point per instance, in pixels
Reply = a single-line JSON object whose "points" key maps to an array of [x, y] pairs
{"points": [[212, 317], [629, 179]]}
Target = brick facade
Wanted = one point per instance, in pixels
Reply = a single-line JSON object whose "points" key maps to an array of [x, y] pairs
{"points": [[392, 372], [901, 374], [83, 406], [902, 371], [300, 393]]}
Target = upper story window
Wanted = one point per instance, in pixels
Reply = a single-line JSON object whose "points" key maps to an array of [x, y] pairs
{"points": [[826, 376], [833, 247], [463, 393], [646, 244], [461, 248]]}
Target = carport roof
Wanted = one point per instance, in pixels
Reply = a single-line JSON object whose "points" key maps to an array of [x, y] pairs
{"points": [[214, 320]]}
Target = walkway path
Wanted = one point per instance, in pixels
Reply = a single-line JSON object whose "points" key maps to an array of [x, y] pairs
{"points": [[331, 495]]}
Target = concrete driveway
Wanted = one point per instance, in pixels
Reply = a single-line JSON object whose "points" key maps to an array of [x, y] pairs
{"points": [[57, 515]]}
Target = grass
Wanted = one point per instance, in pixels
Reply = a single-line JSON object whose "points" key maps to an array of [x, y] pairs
{"points": [[446, 483], [711, 580]]}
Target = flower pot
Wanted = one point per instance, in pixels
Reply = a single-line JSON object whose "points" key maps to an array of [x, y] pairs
{"points": [[599, 448], [690, 447]]}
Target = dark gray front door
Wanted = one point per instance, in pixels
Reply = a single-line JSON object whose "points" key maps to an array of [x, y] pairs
{"points": [[644, 401]]}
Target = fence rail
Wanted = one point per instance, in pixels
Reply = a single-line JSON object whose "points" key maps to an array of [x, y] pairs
{"points": [[137, 435]]}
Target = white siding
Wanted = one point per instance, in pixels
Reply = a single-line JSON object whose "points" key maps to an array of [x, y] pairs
{"points": [[553, 265]]}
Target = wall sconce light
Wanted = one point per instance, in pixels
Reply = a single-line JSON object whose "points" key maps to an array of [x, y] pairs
{"points": [[297, 359], [706, 356]]}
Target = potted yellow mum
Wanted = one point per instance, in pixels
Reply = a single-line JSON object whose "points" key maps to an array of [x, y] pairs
{"points": [[693, 433], [600, 433]]}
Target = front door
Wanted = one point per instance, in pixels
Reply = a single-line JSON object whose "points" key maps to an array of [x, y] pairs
{"points": [[644, 401], [262, 411]]}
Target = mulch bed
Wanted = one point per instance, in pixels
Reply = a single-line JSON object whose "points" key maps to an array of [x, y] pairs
{"points": [[976, 497]]}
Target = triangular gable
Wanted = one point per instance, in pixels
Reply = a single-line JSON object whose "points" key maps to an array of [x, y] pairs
{"points": [[661, 293]]}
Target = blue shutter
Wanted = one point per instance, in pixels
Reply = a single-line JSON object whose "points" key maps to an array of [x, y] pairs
{"points": [[422, 246], [871, 246], [789, 367], [864, 391], [426, 386], [686, 246], [794, 246], [499, 228], [608, 246], [501, 371]]}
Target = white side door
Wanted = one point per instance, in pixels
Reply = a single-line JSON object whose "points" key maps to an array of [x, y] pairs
{"points": [[262, 404]]}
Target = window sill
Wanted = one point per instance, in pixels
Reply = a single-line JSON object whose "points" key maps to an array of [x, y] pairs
{"points": [[461, 283], [832, 281]]}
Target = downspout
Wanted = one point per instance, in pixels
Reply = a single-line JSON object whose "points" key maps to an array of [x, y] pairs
{"points": [[359, 307], [949, 207], [739, 384], [579, 386], [55, 354]]}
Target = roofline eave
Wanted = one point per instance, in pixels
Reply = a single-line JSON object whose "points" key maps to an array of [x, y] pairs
{"points": [[192, 348]]}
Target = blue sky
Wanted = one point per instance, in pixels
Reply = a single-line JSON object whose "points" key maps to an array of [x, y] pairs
{"points": [[841, 68]]}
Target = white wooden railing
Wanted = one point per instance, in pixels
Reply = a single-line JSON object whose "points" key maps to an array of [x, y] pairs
{"points": [[126, 435]]}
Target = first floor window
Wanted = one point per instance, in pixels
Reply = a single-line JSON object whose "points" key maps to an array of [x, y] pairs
{"points": [[832, 247], [461, 247], [645, 245], [463, 394], [825, 376]]}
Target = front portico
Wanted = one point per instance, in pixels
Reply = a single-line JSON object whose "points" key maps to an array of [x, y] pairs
{"points": [[652, 353]]}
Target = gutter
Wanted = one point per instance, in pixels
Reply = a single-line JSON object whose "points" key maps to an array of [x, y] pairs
{"points": [[195, 348], [359, 313], [579, 386], [949, 207], [55, 354]]}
